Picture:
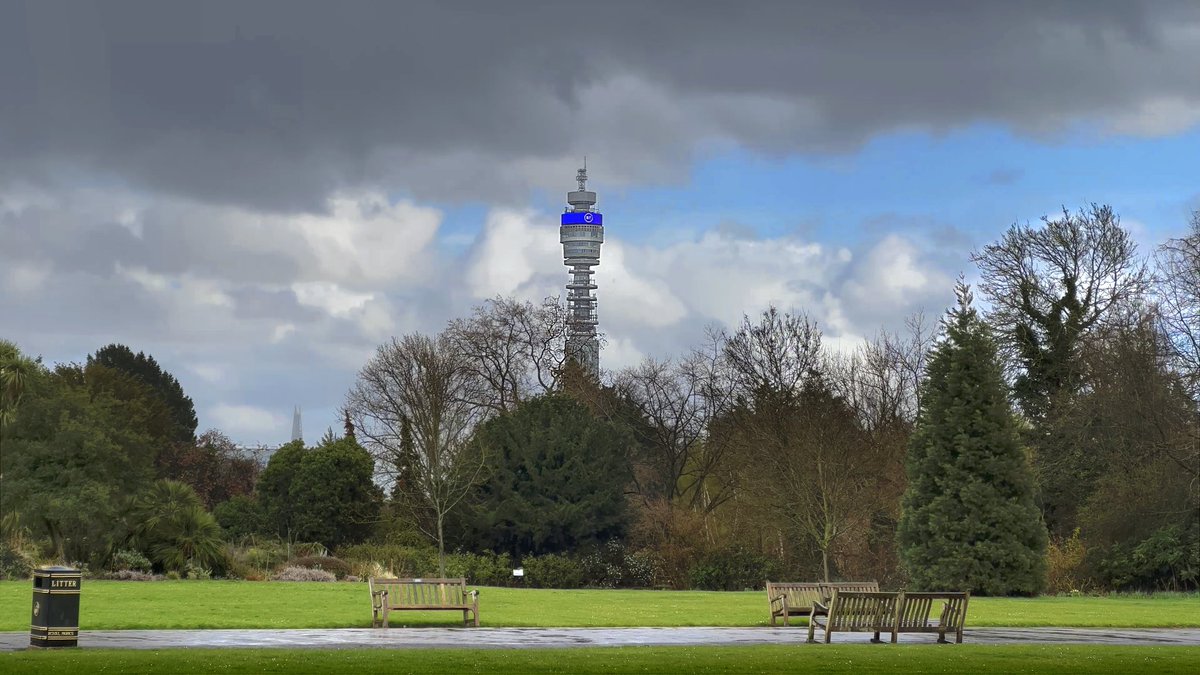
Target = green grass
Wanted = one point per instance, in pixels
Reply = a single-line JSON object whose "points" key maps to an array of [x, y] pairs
{"points": [[260, 604], [760, 659]]}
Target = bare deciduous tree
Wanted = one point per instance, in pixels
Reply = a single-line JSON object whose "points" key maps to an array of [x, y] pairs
{"points": [[412, 409], [881, 378], [776, 354], [515, 349], [1178, 277], [809, 463], [677, 402], [1049, 286]]}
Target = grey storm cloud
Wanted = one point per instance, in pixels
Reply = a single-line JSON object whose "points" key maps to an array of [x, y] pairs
{"points": [[277, 104], [251, 190]]}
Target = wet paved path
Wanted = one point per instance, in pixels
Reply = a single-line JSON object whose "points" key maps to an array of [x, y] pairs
{"points": [[499, 638]]}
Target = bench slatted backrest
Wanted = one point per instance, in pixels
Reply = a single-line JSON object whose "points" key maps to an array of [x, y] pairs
{"points": [[857, 611], [827, 589], [914, 611], [799, 596], [424, 592], [917, 607]]}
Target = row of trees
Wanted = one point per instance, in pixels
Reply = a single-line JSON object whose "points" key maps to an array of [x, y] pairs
{"points": [[1051, 437], [763, 439]]}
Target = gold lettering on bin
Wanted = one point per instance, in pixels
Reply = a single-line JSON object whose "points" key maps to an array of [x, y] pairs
{"points": [[64, 583]]}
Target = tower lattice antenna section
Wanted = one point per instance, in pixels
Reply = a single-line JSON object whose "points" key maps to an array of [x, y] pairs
{"points": [[581, 234]]}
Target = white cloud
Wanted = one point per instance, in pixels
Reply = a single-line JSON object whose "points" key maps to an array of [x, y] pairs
{"points": [[1160, 116], [892, 274], [514, 248], [364, 237], [209, 372], [329, 297], [242, 421], [280, 332], [26, 277]]}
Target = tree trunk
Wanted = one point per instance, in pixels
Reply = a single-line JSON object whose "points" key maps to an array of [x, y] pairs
{"points": [[825, 563], [441, 547]]}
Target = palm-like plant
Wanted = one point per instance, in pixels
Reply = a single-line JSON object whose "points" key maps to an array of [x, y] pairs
{"points": [[173, 527], [194, 537], [15, 371]]}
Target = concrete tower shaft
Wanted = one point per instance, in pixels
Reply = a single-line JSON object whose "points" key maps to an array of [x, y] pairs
{"points": [[581, 234]]}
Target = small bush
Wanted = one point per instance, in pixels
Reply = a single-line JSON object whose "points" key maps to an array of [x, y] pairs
{"points": [[194, 570], [132, 575], [303, 549], [173, 576], [338, 567], [15, 565], [369, 570], [399, 561], [484, 569], [552, 570], [265, 556], [303, 574], [615, 566], [1064, 565], [240, 516], [1169, 559], [130, 559], [732, 569]]}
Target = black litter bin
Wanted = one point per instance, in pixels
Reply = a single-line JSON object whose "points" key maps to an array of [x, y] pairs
{"points": [[55, 618]]}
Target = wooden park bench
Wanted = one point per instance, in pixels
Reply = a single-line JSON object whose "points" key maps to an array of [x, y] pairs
{"points": [[798, 599], [895, 613], [912, 615], [854, 611], [390, 595], [792, 599]]}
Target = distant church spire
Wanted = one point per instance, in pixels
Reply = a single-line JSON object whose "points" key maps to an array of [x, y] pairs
{"points": [[296, 433]]}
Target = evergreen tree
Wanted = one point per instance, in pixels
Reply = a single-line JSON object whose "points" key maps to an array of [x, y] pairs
{"points": [[325, 494], [275, 485], [969, 521], [334, 499], [557, 483], [145, 368]]}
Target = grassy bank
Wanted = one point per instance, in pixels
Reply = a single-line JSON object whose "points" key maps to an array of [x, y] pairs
{"points": [[763, 659], [260, 604]]}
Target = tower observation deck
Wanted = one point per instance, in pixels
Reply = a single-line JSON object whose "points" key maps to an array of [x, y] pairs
{"points": [[581, 233]]}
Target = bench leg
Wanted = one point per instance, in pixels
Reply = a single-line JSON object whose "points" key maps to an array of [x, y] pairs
{"points": [[385, 616], [466, 617], [958, 637], [876, 640], [942, 639]]}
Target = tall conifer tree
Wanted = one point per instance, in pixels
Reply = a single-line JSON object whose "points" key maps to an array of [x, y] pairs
{"points": [[969, 520]]}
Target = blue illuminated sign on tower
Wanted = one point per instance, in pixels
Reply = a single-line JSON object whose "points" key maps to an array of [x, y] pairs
{"points": [[585, 218]]}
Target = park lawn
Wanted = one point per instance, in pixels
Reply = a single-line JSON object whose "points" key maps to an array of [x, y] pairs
{"points": [[756, 659], [263, 604]]}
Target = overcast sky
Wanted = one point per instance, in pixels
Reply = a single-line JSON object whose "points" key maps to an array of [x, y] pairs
{"points": [[260, 193]]}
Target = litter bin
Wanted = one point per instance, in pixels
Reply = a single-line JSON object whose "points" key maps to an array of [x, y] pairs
{"points": [[55, 618]]}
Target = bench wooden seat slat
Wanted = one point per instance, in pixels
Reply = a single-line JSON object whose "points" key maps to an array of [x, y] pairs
{"points": [[389, 595]]}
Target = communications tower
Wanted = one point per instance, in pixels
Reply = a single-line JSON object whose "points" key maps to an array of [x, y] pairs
{"points": [[581, 233]]}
